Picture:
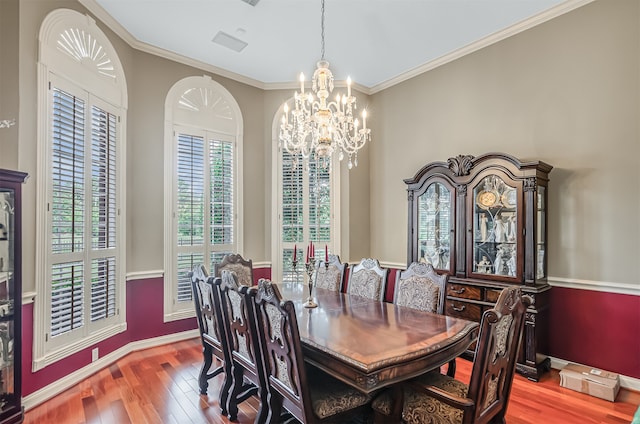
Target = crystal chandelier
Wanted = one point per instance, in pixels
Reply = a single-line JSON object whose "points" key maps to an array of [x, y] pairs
{"points": [[320, 125]]}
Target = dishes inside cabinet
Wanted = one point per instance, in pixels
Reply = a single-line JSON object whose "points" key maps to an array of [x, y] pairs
{"points": [[509, 198]]}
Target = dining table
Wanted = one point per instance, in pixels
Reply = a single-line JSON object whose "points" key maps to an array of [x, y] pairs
{"points": [[370, 344]]}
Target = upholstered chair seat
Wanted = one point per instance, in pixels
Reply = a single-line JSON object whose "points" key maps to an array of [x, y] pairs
{"points": [[331, 397], [436, 398], [420, 409]]}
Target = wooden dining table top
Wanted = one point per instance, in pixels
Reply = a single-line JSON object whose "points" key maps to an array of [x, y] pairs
{"points": [[371, 344]]}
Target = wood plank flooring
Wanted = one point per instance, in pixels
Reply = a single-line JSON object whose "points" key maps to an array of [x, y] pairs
{"points": [[160, 385]]}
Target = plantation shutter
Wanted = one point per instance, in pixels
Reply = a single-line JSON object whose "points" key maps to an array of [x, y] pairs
{"points": [[205, 205], [292, 213], [67, 212], [83, 232], [221, 186], [190, 210], [103, 213]]}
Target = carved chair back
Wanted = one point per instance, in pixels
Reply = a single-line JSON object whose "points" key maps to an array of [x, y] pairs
{"points": [[205, 299], [494, 364], [236, 263], [368, 279], [239, 324], [420, 287], [278, 331], [331, 277]]}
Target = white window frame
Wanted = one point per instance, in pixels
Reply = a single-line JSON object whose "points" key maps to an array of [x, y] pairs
{"points": [[336, 244], [215, 115], [96, 75]]}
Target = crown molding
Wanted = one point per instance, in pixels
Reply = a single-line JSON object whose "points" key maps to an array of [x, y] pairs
{"points": [[517, 28], [133, 42]]}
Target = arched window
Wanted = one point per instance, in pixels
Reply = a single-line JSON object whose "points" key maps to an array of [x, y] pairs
{"points": [[307, 197], [203, 148], [80, 225]]}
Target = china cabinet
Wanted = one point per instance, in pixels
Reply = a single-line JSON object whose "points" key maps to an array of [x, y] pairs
{"points": [[10, 296], [482, 221]]}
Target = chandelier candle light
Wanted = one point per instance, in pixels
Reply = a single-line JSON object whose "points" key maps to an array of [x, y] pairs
{"points": [[320, 125]]}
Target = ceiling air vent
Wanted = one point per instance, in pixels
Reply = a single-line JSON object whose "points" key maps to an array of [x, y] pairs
{"points": [[251, 2], [229, 41]]}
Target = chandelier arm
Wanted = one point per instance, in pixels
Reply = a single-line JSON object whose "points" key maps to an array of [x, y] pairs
{"points": [[319, 126]]}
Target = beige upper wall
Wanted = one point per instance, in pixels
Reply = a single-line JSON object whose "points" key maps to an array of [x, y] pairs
{"points": [[8, 75], [565, 92], [149, 79]]}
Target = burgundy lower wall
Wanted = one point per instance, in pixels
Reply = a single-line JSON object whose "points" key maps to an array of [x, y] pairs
{"points": [[589, 327], [145, 316], [598, 329], [144, 321]]}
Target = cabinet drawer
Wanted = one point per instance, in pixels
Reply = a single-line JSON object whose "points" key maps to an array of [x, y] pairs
{"points": [[492, 295], [464, 310], [463, 291]]}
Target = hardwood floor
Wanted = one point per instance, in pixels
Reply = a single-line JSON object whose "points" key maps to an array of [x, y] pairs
{"points": [[160, 385]]}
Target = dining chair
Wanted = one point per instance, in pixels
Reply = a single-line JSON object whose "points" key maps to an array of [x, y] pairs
{"points": [[331, 276], [421, 287], [214, 342], [244, 353], [307, 393], [236, 263], [367, 279], [438, 398]]}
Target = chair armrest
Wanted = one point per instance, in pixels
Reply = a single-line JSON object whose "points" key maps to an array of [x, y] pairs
{"points": [[465, 404]]}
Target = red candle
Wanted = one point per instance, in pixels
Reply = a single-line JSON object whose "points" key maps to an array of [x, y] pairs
{"points": [[307, 258], [295, 252], [326, 253]]}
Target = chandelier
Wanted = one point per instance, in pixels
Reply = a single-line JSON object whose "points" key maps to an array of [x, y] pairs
{"points": [[318, 124]]}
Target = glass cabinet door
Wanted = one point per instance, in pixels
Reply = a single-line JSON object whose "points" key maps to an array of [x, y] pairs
{"points": [[7, 295], [434, 226], [541, 232], [495, 228]]}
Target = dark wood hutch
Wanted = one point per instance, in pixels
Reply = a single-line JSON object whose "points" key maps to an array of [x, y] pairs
{"points": [[482, 221], [11, 410]]}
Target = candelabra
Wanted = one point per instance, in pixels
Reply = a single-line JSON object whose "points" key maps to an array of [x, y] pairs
{"points": [[310, 270], [310, 267]]}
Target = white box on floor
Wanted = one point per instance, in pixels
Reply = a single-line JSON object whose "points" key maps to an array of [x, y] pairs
{"points": [[593, 381]]}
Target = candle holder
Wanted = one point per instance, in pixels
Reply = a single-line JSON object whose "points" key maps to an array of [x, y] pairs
{"points": [[310, 268]]}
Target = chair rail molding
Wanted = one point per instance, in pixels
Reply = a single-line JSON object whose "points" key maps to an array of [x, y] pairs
{"points": [[144, 275], [601, 286]]}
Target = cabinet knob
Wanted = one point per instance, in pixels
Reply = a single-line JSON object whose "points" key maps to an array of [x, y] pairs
{"points": [[458, 309], [460, 290]]}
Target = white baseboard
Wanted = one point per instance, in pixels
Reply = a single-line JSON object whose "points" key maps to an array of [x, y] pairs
{"points": [[630, 383], [57, 387]]}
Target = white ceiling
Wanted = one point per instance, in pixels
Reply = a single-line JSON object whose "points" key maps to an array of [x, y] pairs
{"points": [[376, 42]]}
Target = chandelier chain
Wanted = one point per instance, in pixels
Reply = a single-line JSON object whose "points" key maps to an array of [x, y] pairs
{"points": [[318, 125], [322, 30]]}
